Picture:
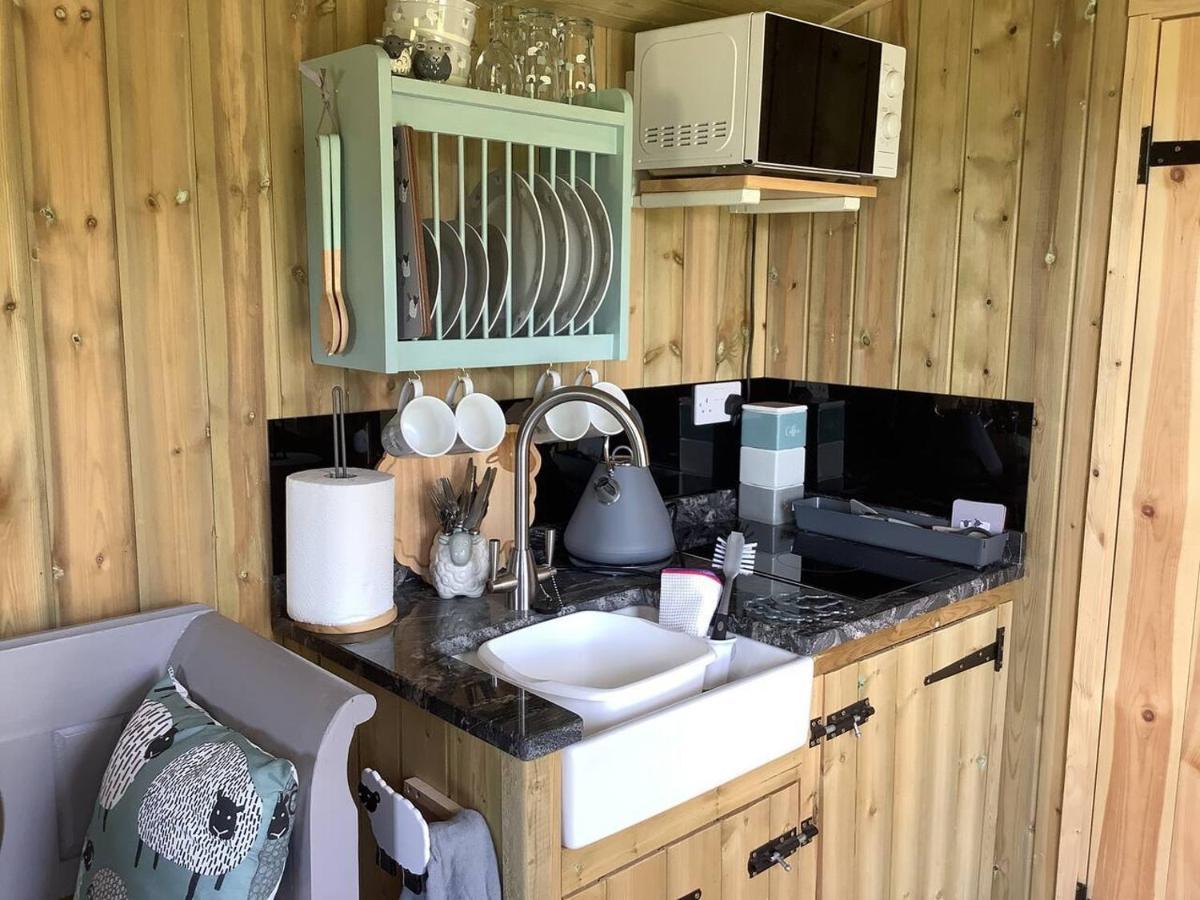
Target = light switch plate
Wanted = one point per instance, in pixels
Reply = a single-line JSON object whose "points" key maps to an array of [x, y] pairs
{"points": [[708, 401]]}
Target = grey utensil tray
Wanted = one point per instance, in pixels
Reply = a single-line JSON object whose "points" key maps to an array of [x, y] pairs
{"points": [[832, 517]]}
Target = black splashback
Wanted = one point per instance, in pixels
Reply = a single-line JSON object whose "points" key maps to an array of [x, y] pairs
{"points": [[892, 448], [912, 450]]}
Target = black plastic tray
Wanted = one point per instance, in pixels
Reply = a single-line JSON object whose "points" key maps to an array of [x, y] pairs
{"points": [[831, 516]]}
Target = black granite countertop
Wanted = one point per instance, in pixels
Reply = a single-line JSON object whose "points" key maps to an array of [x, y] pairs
{"points": [[415, 655]]}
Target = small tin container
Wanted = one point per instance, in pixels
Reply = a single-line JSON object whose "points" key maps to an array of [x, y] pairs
{"points": [[773, 507], [772, 468], [774, 425]]}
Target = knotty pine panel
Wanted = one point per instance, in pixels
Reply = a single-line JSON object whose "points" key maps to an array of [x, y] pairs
{"points": [[147, 48], [24, 518], [76, 356], [981, 271], [233, 162]]}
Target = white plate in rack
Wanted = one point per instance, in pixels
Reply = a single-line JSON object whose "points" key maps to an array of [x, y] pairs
{"points": [[581, 266], [558, 251], [452, 262], [477, 278], [602, 274], [497, 258], [527, 243]]}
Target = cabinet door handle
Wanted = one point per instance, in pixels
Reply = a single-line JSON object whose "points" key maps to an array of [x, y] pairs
{"points": [[992, 653]]}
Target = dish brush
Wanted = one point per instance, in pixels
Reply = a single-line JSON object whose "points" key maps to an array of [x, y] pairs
{"points": [[733, 557], [687, 600]]}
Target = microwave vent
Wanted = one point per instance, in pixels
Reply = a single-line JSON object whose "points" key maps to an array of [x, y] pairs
{"points": [[685, 134]]}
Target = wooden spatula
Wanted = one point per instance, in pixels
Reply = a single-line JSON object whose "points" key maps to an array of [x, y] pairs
{"points": [[340, 299], [329, 320]]}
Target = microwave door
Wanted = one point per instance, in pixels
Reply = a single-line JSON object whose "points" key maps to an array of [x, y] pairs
{"points": [[819, 98]]}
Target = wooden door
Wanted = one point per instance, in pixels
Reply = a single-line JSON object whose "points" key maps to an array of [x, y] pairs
{"points": [[1144, 837], [644, 880], [694, 865], [907, 808], [750, 829]]}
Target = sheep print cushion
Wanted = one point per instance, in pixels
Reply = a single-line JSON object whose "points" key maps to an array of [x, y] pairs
{"points": [[187, 809]]}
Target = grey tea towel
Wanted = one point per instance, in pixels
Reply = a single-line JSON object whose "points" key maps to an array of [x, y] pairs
{"points": [[462, 863]]}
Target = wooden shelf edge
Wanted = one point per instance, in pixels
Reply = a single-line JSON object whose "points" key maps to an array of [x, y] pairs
{"points": [[773, 187]]}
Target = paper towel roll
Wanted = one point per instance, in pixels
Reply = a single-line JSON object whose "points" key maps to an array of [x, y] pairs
{"points": [[339, 547]]}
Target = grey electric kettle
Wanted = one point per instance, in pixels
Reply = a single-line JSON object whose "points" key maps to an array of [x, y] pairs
{"points": [[621, 520]]}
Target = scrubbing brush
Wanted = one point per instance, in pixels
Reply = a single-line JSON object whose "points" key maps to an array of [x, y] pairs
{"points": [[733, 557]]}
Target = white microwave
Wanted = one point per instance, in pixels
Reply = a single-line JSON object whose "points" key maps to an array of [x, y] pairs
{"points": [[765, 91]]}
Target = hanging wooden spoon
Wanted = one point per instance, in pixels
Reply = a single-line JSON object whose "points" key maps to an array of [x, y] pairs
{"points": [[329, 322], [340, 299]]}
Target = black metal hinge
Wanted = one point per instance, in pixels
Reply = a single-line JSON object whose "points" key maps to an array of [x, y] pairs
{"points": [[848, 718], [777, 850], [1080, 891], [1164, 153], [992, 653]]}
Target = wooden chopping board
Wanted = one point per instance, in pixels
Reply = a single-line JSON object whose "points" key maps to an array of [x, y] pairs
{"points": [[416, 522]]}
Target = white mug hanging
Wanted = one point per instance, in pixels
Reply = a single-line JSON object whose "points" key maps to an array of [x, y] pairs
{"points": [[422, 425]]}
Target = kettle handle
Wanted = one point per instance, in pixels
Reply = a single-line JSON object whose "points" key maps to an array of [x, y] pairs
{"points": [[622, 456]]}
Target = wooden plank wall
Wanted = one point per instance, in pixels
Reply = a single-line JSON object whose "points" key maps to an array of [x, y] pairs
{"points": [[155, 288], [153, 274], [154, 295], [980, 270]]}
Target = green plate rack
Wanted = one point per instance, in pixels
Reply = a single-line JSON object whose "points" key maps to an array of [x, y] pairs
{"points": [[592, 139]]}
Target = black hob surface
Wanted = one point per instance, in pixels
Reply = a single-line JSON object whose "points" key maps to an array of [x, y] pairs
{"points": [[787, 559]]}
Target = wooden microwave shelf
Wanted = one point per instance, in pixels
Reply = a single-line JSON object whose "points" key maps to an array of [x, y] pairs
{"points": [[748, 193]]}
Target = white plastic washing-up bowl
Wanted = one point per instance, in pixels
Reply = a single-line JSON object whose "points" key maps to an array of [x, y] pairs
{"points": [[605, 668]]}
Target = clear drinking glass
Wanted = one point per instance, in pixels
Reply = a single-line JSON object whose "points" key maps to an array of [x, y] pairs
{"points": [[578, 57], [541, 56], [497, 69]]}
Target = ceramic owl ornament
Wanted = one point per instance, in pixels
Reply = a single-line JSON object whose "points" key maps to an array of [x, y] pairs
{"points": [[458, 564]]}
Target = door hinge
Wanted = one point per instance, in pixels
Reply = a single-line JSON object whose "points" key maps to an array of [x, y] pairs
{"points": [[777, 850], [1164, 153], [1080, 891], [1144, 155], [993, 653], [846, 719]]}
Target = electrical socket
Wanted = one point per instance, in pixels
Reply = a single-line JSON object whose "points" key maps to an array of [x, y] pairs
{"points": [[708, 401]]}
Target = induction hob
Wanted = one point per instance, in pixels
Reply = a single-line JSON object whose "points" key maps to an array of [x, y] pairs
{"points": [[787, 559]]}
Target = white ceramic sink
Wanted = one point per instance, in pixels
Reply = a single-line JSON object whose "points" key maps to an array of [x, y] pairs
{"points": [[665, 741]]}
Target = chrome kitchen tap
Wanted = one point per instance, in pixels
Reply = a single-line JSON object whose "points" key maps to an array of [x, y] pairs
{"points": [[522, 575]]}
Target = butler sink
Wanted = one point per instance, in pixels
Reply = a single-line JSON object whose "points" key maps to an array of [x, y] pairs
{"points": [[653, 737]]}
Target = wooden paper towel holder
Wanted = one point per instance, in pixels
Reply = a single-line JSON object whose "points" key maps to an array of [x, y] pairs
{"points": [[384, 618]]}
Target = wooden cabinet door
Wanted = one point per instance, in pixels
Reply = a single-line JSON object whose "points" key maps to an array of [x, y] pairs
{"points": [[694, 865], [646, 879], [907, 807], [748, 830]]}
